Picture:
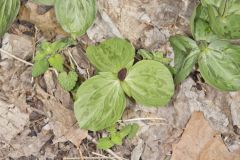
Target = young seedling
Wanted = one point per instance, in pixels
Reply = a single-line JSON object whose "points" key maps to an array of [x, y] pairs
{"points": [[48, 54], [116, 137], [100, 101]]}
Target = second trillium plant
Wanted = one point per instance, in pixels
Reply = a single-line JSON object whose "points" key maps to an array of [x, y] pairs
{"points": [[101, 100]]}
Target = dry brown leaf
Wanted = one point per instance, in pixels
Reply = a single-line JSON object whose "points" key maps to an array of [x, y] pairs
{"points": [[46, 22], [62, 120], [200, 142], [12, 121]]}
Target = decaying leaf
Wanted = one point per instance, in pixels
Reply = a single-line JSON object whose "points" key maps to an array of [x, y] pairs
{"points": [[200, 142], [62, 120], [12, 121], [47, 22]]}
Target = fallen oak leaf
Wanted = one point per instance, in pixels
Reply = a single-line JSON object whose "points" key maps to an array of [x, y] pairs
{"points": [[200, 142]]}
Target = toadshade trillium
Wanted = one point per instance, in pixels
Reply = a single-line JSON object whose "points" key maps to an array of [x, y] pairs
{"points": [[101, 100]]}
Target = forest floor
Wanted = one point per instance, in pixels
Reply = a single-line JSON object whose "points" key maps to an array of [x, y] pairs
{"points": [[36, 114]]}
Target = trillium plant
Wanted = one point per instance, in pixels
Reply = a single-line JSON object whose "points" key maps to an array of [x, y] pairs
{"points": [[101, 100], [213, 24]]}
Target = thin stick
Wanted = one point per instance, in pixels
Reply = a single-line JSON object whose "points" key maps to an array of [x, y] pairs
{"points": [[142, 119], [80, 70], [85, 158], [19, 59], [102, 156], [108, 150]]}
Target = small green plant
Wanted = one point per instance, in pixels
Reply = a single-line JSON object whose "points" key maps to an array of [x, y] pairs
{"points": [[74, 16], [116, 137], [48, 54], [218, 59], [100, 101]]}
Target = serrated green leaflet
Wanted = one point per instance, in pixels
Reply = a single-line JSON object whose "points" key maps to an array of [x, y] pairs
{"points": [[100, 102], [45, 2], [56, 61], [220, 65], [68, 80], [111, 55], [75, 16], [150, 83], [8, 12], [40, 67], [105, 143]]}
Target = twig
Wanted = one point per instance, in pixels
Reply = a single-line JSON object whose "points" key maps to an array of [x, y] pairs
{"points": [[108, 150], [102, 156], [19, 59], [80, 70], [86, 158], [141, 119]]}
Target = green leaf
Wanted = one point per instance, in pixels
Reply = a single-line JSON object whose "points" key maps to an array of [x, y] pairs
{"points": [[111, 55], [226, 26], [150, 83], [104, 143], [182, 47], [68, 81], [156, 56], [45, 2], [134, 130], [75, 16], [8, 12], [116, 138], [100, 102], [112, 129], [200, 26], [62, 44], [40, 67], [125, 131], [187, 66], [215, 3], [219, 65], [56, 61]]}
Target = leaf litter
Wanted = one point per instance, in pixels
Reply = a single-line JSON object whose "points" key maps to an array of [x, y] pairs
{"points": [[46, 127]]}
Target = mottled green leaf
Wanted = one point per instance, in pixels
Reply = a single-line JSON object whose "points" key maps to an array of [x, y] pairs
{"points": [[68, 80], [150, 83], [40, 67], [75, 16], [200, 26], [156, 56], [56, 61], [182, 47], [100, 102], [216, 3], [45, 2], [219, 65], [104, 143], [8, 12], [111, 55], [187, 66], [226, 24]]}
